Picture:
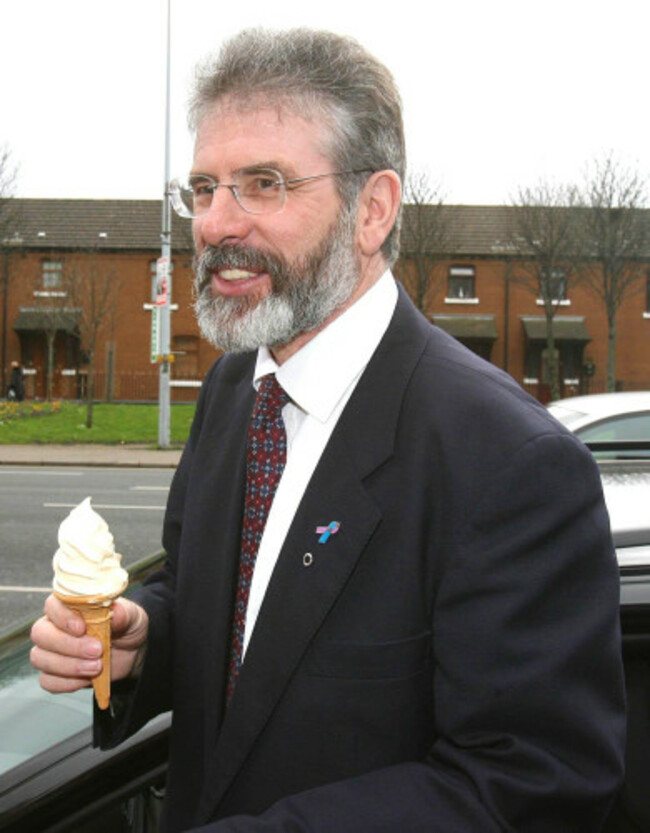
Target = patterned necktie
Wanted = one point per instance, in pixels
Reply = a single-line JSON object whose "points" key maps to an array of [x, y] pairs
{"points": [[266, 456]]}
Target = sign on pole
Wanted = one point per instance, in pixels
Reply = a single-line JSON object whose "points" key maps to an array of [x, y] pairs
{"points": [[155, 333], [161, 299], [162, 281]]}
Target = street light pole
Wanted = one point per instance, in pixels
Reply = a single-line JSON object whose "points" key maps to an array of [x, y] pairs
{"points": [[164, 278], [5, 302]]}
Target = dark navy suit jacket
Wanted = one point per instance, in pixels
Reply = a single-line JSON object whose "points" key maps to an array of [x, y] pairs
{"points": [[450, 659]]}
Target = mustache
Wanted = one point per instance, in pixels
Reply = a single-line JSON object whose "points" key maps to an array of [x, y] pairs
{"points": [[213, 258]]}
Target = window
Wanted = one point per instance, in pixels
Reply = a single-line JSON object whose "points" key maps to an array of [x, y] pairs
{"points": [[568, 354], [572, 360], [461, 283], [554, 287], [186, 356], [52, 274]]}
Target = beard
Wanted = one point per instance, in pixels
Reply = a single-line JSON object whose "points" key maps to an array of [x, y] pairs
{"points": [[304, 292]]}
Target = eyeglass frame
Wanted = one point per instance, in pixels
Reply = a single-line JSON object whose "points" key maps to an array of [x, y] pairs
{"points": [[179, 206]]}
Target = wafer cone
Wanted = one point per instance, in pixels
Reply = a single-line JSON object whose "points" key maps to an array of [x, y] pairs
{"points": [[97, 612]]}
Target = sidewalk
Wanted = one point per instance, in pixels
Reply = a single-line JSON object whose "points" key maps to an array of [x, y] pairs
{"points": [[88, 455]]}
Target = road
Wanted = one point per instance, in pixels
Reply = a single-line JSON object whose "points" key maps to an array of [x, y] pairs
{"points": [[33, 502]]}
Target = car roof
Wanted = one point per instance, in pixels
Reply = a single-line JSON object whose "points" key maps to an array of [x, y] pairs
{"points": [[576, 411]]}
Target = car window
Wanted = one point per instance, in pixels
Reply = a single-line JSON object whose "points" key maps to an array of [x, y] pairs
{"points": [[628, 427], [31, 719]]}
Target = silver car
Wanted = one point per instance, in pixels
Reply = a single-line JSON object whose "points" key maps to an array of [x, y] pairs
{"points": [[606, 417]]}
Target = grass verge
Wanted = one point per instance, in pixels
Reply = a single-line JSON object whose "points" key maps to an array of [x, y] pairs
{"points": [[65, 422]]}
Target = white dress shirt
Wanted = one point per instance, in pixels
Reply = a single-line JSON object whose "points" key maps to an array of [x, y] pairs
{"points": [[319, 379]]}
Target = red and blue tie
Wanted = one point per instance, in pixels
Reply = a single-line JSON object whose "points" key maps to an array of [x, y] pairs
{"points": [[266, 456]]}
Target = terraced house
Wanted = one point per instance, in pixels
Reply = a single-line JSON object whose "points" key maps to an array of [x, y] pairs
{"points": [[78, 285]]}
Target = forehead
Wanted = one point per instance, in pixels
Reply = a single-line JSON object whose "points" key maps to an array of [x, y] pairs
{"points": [[232, 135]]}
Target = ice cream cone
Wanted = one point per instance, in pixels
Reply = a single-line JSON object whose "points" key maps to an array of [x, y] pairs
{"points": [[97, 613]]}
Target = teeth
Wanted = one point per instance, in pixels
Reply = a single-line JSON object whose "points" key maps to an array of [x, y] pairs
{"points": [[235, 274]]}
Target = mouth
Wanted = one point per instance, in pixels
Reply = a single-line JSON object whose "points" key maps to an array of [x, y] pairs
{"points": [[235, 274], [234, 270], [233, 281]]}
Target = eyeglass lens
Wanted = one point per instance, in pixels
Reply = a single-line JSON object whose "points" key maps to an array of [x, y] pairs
{"points": [[257, 193]]}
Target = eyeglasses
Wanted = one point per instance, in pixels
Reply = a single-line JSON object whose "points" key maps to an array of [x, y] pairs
{"points": [[257, 192]]}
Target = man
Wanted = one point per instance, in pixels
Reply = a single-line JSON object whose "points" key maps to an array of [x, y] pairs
{"points": [[16, 388], [427, 637]]}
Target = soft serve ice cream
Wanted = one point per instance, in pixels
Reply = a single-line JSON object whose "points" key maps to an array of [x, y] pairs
{"points": [[86, 563], [87, 578]]}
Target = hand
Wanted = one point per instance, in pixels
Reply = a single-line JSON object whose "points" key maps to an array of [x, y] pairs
{"points": [[68, 659]]}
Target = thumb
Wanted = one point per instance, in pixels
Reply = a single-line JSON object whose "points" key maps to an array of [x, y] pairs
{"points": [[129, 623]]}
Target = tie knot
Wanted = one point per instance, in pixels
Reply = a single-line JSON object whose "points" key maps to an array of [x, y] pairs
{"points": [[271, 396]]}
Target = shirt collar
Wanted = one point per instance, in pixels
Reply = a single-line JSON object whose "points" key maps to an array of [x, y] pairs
{"points": [[318, 375]]}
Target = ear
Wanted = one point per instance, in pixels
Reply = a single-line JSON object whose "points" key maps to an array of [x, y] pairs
{"points": [[378, 207]]}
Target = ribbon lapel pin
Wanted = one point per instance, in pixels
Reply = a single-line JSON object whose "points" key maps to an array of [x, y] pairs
{"points": [[325, 531]]}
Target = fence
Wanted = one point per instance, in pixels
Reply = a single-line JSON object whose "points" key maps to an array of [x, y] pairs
{"points": [[142, 386], [126, 387]]}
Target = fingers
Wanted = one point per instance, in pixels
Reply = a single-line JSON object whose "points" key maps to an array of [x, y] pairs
{"points": [[66, 674], [123, 616], [68, 659], [130, 624], [65, 656], [49, 639], [64, 618], [62, 685], [66, 663], [130, 629]]}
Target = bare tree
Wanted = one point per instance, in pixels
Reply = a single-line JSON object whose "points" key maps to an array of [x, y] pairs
{"points": [[9, 241], [616, 239], [8, 176], [425, 240], [543, 235], [93, 287]]}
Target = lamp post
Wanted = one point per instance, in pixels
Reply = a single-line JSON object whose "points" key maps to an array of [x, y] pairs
{"points": [[164, 279]]}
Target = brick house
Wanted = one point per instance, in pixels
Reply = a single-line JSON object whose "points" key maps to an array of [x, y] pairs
{"points": [[121, 238], [478, 300]]}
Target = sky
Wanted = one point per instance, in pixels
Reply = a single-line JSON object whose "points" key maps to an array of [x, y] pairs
{"points": [[497, 95]]}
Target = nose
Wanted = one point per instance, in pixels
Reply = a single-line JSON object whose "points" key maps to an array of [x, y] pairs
{"points": [[224, 221]]}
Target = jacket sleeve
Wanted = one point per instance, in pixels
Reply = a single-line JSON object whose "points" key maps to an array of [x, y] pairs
{"points": [[528, 689]]}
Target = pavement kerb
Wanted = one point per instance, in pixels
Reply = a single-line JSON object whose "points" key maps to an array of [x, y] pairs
{"points": [[130, 456]]}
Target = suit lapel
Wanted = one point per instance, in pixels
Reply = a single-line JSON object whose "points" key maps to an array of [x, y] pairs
{"points": [[301, 594]]}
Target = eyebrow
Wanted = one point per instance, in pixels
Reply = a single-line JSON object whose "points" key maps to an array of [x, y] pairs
{"points": [[262, 166], [256, 167]]}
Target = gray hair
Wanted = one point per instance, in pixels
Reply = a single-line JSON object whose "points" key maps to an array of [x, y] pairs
{"points": [[323, 74]]}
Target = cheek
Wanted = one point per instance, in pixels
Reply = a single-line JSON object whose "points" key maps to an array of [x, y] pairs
{"points": [[297, 238], [197, 236]]}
